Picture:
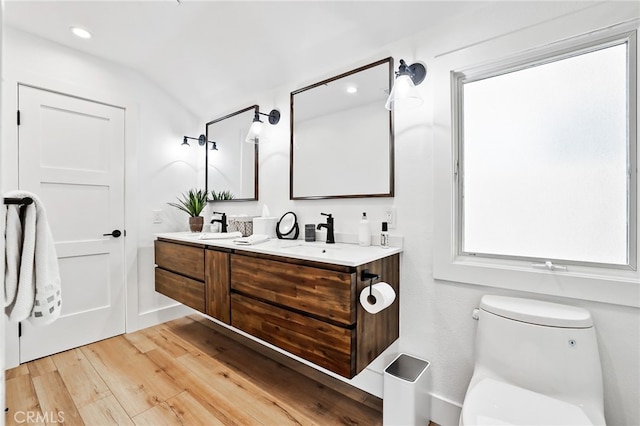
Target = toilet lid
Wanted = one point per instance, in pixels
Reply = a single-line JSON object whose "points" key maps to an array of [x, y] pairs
{"points": [[491, 402], [536, 311]]}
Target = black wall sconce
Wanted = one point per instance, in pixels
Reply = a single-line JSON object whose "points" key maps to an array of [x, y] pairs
{"points": [[404, 94], [202, 140], [256, 126]]}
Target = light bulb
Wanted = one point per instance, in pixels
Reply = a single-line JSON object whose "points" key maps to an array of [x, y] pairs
{"points": [[404, 95], [254, 132]]}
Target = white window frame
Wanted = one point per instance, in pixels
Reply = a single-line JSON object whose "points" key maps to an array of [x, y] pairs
{"points": [[468, 76], [581, 280]]}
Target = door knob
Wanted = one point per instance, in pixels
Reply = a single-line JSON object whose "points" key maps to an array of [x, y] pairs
{"points": [[116, 233]]}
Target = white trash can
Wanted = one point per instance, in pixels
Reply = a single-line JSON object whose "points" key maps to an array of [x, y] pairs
{"points": [[406, 399]]}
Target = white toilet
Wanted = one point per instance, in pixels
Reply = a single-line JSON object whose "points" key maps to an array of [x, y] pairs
{"points": [[537, 363]]}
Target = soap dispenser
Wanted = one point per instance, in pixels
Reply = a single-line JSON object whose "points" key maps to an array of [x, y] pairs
{"points": [[364, 231]]}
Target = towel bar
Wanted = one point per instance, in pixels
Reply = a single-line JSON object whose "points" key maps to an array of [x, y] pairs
{"points": [[21, 201]]}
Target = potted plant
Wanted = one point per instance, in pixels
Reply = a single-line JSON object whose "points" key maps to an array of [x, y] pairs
{"points": [[222, 195], [192, 203]]}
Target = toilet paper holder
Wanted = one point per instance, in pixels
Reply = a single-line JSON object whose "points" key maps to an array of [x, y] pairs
{"points": [[366, 275]]}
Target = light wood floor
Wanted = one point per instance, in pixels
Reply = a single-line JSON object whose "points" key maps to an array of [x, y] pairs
{"points": [[184, 372]]}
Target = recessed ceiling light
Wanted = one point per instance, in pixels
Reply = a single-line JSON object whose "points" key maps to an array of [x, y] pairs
{"points": [[80, 32], [352, 89]]}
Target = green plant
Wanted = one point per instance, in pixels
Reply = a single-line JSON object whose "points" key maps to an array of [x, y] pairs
{"points": [[222, 195], [192, 203]]}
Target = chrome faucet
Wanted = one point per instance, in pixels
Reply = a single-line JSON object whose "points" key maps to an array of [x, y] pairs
{"points": [[222, 221], [329, 226]]}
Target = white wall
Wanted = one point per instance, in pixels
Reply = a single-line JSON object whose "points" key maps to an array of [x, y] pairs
{"points": [[436, 319], [157, 168], [435, 315]]}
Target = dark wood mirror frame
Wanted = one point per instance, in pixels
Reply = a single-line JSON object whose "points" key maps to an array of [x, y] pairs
{"points": [[255, 171], [390, 192]]}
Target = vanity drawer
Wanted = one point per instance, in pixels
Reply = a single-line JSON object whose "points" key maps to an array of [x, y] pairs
{"points": [[326, 345], [320, 292], [182, 259], [182, 289]]}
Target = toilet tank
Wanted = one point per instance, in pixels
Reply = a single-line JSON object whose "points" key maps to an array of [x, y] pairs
{"points": [[544, 347]]}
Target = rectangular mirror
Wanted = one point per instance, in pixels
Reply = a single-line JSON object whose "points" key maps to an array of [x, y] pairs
{"points": [[342, 136], [233, 167]]}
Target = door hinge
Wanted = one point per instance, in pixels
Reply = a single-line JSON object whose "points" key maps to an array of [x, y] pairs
{"points": [[18, 117], [19, 329]]}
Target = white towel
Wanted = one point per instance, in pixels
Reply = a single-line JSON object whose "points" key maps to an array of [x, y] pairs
{"points": [[13, 247], [38, 295], [219, 235]]}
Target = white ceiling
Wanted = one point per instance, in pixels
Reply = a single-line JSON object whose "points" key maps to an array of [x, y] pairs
{"points": [[206, 53]]}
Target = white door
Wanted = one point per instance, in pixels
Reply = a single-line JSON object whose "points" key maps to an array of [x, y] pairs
{"points": [[71, 154]]}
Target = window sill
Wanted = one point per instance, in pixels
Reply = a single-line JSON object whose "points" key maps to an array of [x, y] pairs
{"points": [[620, 287]]}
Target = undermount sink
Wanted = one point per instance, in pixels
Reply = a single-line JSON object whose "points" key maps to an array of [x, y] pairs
{"points": [[323, 250]]}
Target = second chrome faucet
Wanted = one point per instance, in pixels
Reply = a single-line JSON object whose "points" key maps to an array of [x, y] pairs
{"points": [[329, 226]]}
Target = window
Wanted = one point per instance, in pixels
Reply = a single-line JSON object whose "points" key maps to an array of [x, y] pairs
{"points": [[545, 158]]}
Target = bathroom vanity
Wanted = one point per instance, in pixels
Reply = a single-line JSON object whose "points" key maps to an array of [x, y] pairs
{"points": [[302, 298]]}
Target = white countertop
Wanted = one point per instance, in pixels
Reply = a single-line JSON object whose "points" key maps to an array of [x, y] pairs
{"points": [[317, 251]]}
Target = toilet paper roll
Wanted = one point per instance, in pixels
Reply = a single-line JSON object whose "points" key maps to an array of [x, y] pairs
{"points": [[265, 226], [384, 296]]}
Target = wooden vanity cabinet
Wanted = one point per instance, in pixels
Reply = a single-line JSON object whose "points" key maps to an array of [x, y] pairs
{"points": [[312, 309], [194, 276]]}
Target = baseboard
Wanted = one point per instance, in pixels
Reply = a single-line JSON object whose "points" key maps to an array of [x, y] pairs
{"points": [[158, 316], [444, 412], [11, 344]]}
